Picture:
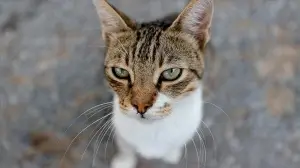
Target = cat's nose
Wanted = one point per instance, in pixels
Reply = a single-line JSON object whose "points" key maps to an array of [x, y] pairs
{"points": [[140, 107], [143, 98]]}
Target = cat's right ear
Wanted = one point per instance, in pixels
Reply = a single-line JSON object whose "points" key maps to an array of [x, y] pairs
{"points": [[196, 20], [112, 20]]}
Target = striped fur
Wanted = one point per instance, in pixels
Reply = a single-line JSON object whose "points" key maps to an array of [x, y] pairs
{"points": [[145, 50], [149, 112]]}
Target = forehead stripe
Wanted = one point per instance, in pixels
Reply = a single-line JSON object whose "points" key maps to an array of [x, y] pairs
{"points": [[156, 45]]}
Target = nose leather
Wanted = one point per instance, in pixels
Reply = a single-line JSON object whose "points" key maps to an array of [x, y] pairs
{"points": [[141, 107]]}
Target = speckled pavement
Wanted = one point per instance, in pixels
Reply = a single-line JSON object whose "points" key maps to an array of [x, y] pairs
{"points": [[51, 56]]}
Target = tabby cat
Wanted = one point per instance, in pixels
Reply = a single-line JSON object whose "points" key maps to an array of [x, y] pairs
{"points": [[155, 71]]}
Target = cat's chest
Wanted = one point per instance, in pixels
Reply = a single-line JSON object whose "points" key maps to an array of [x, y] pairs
{"points": [[157, 132], [155, 139]]}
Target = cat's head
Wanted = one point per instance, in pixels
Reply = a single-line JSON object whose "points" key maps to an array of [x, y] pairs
{"points": [[152, 65]]}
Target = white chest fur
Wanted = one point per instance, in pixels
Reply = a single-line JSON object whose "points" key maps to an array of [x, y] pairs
{"points": [[156, 139]]}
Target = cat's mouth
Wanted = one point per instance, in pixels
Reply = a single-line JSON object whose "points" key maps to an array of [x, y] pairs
{"points": [[152, 116], [149, 120], [142, 115]]}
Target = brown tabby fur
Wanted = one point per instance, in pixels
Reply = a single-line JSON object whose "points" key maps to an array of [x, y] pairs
{"points": [[145, 50]]}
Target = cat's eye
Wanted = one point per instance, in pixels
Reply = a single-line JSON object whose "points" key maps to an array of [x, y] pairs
{"points": [[120, 73], [171, 74]]}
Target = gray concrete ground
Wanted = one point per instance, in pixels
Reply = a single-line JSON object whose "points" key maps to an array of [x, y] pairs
{"points": [[51, 71]]}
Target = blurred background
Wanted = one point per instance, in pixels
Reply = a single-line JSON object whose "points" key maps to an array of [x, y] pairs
{"points": [[51, 56]]}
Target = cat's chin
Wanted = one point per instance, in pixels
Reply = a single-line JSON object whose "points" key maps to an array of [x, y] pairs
{"points": [[146, 118], [151, 119]]}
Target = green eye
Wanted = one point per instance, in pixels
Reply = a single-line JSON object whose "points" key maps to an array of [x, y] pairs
{"points": [[120, 73], [171, 74]]}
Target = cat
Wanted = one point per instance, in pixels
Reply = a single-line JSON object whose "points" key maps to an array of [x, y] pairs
{"points": [[155, 71]]}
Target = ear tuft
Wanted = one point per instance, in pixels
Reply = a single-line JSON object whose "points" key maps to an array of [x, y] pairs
{"points": [[112, 20], [196, 20]]}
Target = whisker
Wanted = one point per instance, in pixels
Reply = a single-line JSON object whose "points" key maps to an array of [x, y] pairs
{"points": [[212, 136], [91, 138], [202, 146], [185, 156], [108, 104], [76, 137], [103, 138], [98, 144], [107, 142], [98, 111], [98, 131], [196, 153], [83, 114], [100, 122], [219, 108]]}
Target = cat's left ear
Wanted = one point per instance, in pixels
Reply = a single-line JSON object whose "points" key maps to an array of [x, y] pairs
{"points": [[196, 20], [112, 20]]}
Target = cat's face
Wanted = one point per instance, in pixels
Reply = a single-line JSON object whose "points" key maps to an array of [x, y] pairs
{"points": [[148, 70], [151, 66]]}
